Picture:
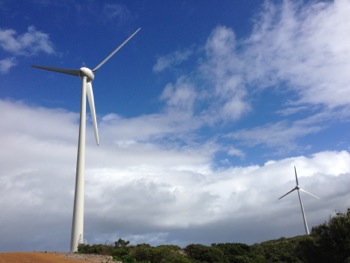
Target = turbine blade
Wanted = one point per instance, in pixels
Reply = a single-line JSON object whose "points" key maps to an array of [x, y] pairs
{"points": [[309, 193], [60, 70], [90, 96], [296, 176], [288, 193], [115, 51]]}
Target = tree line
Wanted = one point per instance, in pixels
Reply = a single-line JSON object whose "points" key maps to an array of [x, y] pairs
{"points": [[327, 242]]}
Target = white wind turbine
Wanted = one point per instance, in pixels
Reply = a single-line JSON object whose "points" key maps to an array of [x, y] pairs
{"points": [[301, 203], [87, 75]]}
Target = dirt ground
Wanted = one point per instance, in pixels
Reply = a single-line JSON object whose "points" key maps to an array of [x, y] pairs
{"points": [[52, 257]]}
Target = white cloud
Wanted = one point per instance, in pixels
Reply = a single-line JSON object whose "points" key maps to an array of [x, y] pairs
{"points": [[293, 47], [168, 127], [221, 93], [6, 64], [180, 96], [171, 60], [280, 134], [29, 43], [235, 152], [284, 135], [8, 41], [304, 47], [222, 70], [145, 188], [117, 11]]}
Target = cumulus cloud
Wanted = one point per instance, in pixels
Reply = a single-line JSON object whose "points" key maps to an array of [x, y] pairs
{"points": [[29, 43]]}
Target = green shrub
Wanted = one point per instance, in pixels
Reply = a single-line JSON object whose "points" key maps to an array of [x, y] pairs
{"points": [[176, 258], [121, 243], [119, 252], [234, 252], [202, 253], [280, 250], [141, 252], [332, 240], [328, 242], [126, 259]]}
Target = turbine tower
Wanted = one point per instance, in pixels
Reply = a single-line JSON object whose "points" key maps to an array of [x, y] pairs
{"points": [[87, 76], [301, 203]]}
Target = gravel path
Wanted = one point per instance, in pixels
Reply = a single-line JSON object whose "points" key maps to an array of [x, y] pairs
{"points": [[52, 257]]}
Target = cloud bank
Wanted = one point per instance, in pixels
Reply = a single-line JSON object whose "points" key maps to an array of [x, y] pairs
{"points": [[146, 191]]}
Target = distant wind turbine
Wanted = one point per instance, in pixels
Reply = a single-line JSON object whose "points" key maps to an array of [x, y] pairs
{"points": [[301, 203], [87, 75]]}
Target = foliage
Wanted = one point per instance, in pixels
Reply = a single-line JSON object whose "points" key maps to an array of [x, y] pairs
{"points": [[280, 250], [328, 242], [235, 252], [95, 249], [332, 240], [121, 243], [201, 253], [119, 252], [163, 253]]}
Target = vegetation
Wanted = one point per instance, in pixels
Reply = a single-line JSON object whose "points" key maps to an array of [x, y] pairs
{"points": [[328, 242]]}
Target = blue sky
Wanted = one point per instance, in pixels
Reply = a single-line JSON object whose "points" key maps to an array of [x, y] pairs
{"points": [[202, 116]]}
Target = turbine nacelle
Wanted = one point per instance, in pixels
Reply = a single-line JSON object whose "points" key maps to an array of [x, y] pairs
{"points": [[86, 72]]}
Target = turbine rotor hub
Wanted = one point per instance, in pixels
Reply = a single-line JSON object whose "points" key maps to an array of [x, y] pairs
{"points": [[86, 72]]}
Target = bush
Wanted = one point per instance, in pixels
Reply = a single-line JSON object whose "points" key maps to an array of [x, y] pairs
{"points": [[87, 249], [176, 258], [332, 239], [234, 252], [328, 242], [119, 252], [280, 250], [121, 243], [141, 252], [202, 253]]}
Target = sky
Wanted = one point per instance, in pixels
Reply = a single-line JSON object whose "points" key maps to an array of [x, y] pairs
{"points": [[202, 116]]}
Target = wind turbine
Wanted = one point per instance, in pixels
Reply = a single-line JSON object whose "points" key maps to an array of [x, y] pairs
{"points": [[87, 76], [301, 203]]}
